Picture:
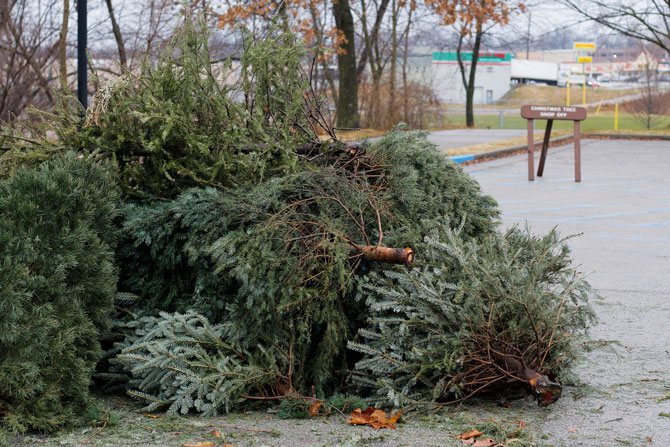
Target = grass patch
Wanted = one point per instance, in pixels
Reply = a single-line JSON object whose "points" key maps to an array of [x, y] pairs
{"points": [[355, 135], [603, 122], [558, 95]]}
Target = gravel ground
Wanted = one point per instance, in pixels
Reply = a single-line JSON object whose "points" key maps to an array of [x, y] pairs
{"points": [[622, 207], [514, 425]]}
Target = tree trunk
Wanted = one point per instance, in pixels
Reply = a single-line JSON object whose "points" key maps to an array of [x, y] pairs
{"points": [[117, 35], [545, 391], [386, 255], [469, 79], [371, 41], [394, 57], [404, 67], [323, 61], [347, 103], [470, 90], [62, 44]]}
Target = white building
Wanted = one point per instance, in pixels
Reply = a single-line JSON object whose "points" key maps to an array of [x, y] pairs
{"points": [[492, 79]]}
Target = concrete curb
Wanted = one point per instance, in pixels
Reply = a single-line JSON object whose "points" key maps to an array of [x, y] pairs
{"points": [[610, 136], [490, 155], [566, 139]]}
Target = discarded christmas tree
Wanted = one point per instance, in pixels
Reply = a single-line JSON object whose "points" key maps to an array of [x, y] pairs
{"points": [[477, 316], [258, 253], [57, 282]]}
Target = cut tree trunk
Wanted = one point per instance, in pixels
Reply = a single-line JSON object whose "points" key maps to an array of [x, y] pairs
{"points": [[387, 255], [545, 391]]}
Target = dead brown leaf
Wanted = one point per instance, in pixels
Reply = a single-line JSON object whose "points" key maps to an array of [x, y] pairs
{"points": [[374, 417], [315, 408], [152, 416], [199, 444], [217, 433], [487, 442], [470, 434]]}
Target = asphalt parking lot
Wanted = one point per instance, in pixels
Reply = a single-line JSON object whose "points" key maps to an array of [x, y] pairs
{"points": [[621, 210]]}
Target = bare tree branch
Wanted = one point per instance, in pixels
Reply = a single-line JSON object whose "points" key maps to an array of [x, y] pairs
{"points": [[646, 21]]}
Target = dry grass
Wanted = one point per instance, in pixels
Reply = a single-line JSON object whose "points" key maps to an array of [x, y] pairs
{"points": [[355, 135], [557, 95], [503, 144]]}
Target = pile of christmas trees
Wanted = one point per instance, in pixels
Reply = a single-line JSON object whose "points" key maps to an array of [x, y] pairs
{"points": [[254, 260]]}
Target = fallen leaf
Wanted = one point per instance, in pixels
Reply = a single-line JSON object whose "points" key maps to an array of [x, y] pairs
{"points": [[152, 416], [216, 433], [488, 442], [228, 445], [572, 429], [314, 408], [468, 441], [373, 417], [470, 434], [649, 438], [199, 444]]}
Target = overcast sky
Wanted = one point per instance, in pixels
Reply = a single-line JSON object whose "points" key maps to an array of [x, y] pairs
{"points": [[545, 17]]}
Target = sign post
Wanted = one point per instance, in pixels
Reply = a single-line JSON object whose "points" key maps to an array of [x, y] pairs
{"points": [[582, 48], [551, 113]]}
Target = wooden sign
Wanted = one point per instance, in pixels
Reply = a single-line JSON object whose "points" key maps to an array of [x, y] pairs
{"points": [[553, 113]]}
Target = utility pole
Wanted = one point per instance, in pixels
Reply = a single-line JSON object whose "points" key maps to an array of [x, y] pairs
{"points": [[82, 62]]}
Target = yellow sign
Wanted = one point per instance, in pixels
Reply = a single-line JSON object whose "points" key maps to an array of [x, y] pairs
{"points": [[584, 59], [584, 46]]}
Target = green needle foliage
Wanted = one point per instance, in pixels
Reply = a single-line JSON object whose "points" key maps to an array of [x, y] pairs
{"points": [[57, 282], [241, 236], [275, 261], [439, 332], [185, 121], [183, 362]]}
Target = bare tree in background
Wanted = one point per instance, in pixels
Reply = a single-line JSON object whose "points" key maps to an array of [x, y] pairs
{"points": [[29, 44], [118, 37], [647, 21], [473, 19], [652, 107]]}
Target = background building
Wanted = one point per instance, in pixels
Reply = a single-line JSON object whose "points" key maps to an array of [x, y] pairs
{"points": [[492, 80]]}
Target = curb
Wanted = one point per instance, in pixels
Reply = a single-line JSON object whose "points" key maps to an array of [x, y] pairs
{"points": [[490, 155], [609, 136]]}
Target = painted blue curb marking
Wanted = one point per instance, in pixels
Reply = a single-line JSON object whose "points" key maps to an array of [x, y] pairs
{"points": [[462, 158]]}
